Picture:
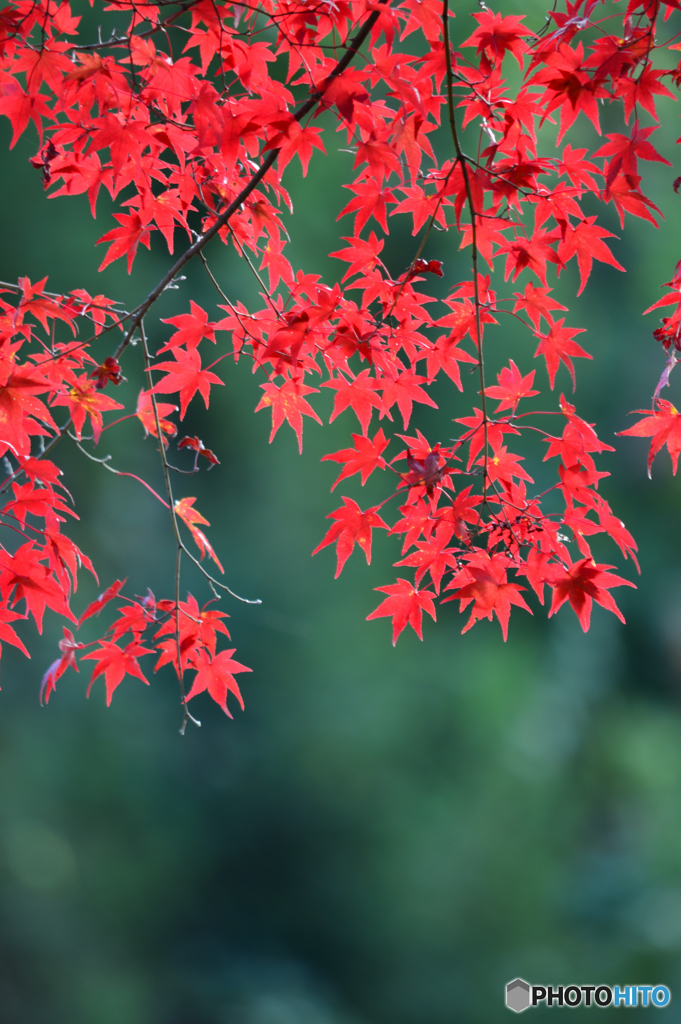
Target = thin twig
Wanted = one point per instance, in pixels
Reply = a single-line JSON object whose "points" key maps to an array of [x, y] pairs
{"points": [[474, 238]]}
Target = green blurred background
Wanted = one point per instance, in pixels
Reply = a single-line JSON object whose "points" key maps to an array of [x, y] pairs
{"points": [[384, 836]]}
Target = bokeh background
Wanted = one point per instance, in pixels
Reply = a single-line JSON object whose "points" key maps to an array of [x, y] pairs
{"points": [[384, 836]]}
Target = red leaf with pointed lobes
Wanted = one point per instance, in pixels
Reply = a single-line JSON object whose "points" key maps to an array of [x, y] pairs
{"points": [[585, 241], [191, 328], [41, 469], [583, 583], [364, 458], [630, 200], [380, 156], [20, 106], [362, 254], [446, 355], [616, 529], [95, 607], [24, 574], [186, 376], [536, 303], [404, 390], [476, 433], [68, 646], [83, 400], [145, 414], [358, 394], [486, 586], [201, 623], [190, 517], [569, 87], [124, 240], [460, 512], [663, 425], [418, 520], [405, 606], [132, 618], [62, 555], [578, 441], [558, 347], [217, 676], [7, 634], [503, 466], [370, 201], [433, 556], [20, 409], [295, 139], [351, 525], [42, 503], [511, 388], [498, 35], [288, 404], [345, 90], [627, 150], [114, 663]]}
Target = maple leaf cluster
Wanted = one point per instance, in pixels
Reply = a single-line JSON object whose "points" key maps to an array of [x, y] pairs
{"points": [[188, 117]]}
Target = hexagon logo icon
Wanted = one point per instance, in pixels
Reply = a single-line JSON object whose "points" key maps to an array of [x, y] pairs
{"points": [[517, 995]]}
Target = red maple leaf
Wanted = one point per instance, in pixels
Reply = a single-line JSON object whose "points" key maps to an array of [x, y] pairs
{"points": [[201, 623], [511, 388], [498, 35], [405, 605], [191, 328], [536, 303], [370, 200], [83, 400], [125, 138], [68, 646], [30, 501], [191, 517], [114, 663], [358, 394], [20, 409], [351, 525], [361, 254], [432, 556], [558, 347], [31, 581], [446, 355], [488, 590], [7, 634], [405, 389], [364, 458], [124, 240], [145, 414], [582, 584], [186, 376], [217, 676], [95, 607], [663, 424], [288, 403], [503, 466], [585, 241]]}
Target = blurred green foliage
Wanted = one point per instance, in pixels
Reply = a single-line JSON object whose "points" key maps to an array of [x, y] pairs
{"points": [[385, 836]]}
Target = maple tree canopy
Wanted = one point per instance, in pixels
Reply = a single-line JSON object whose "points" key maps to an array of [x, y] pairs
{"points": [[188, 115]]}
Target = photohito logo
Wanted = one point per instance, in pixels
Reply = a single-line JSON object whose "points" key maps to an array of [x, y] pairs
{"points": [[520, 995]]}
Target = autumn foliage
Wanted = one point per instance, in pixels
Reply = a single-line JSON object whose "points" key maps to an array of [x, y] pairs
{"points": [[188, 115]]}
